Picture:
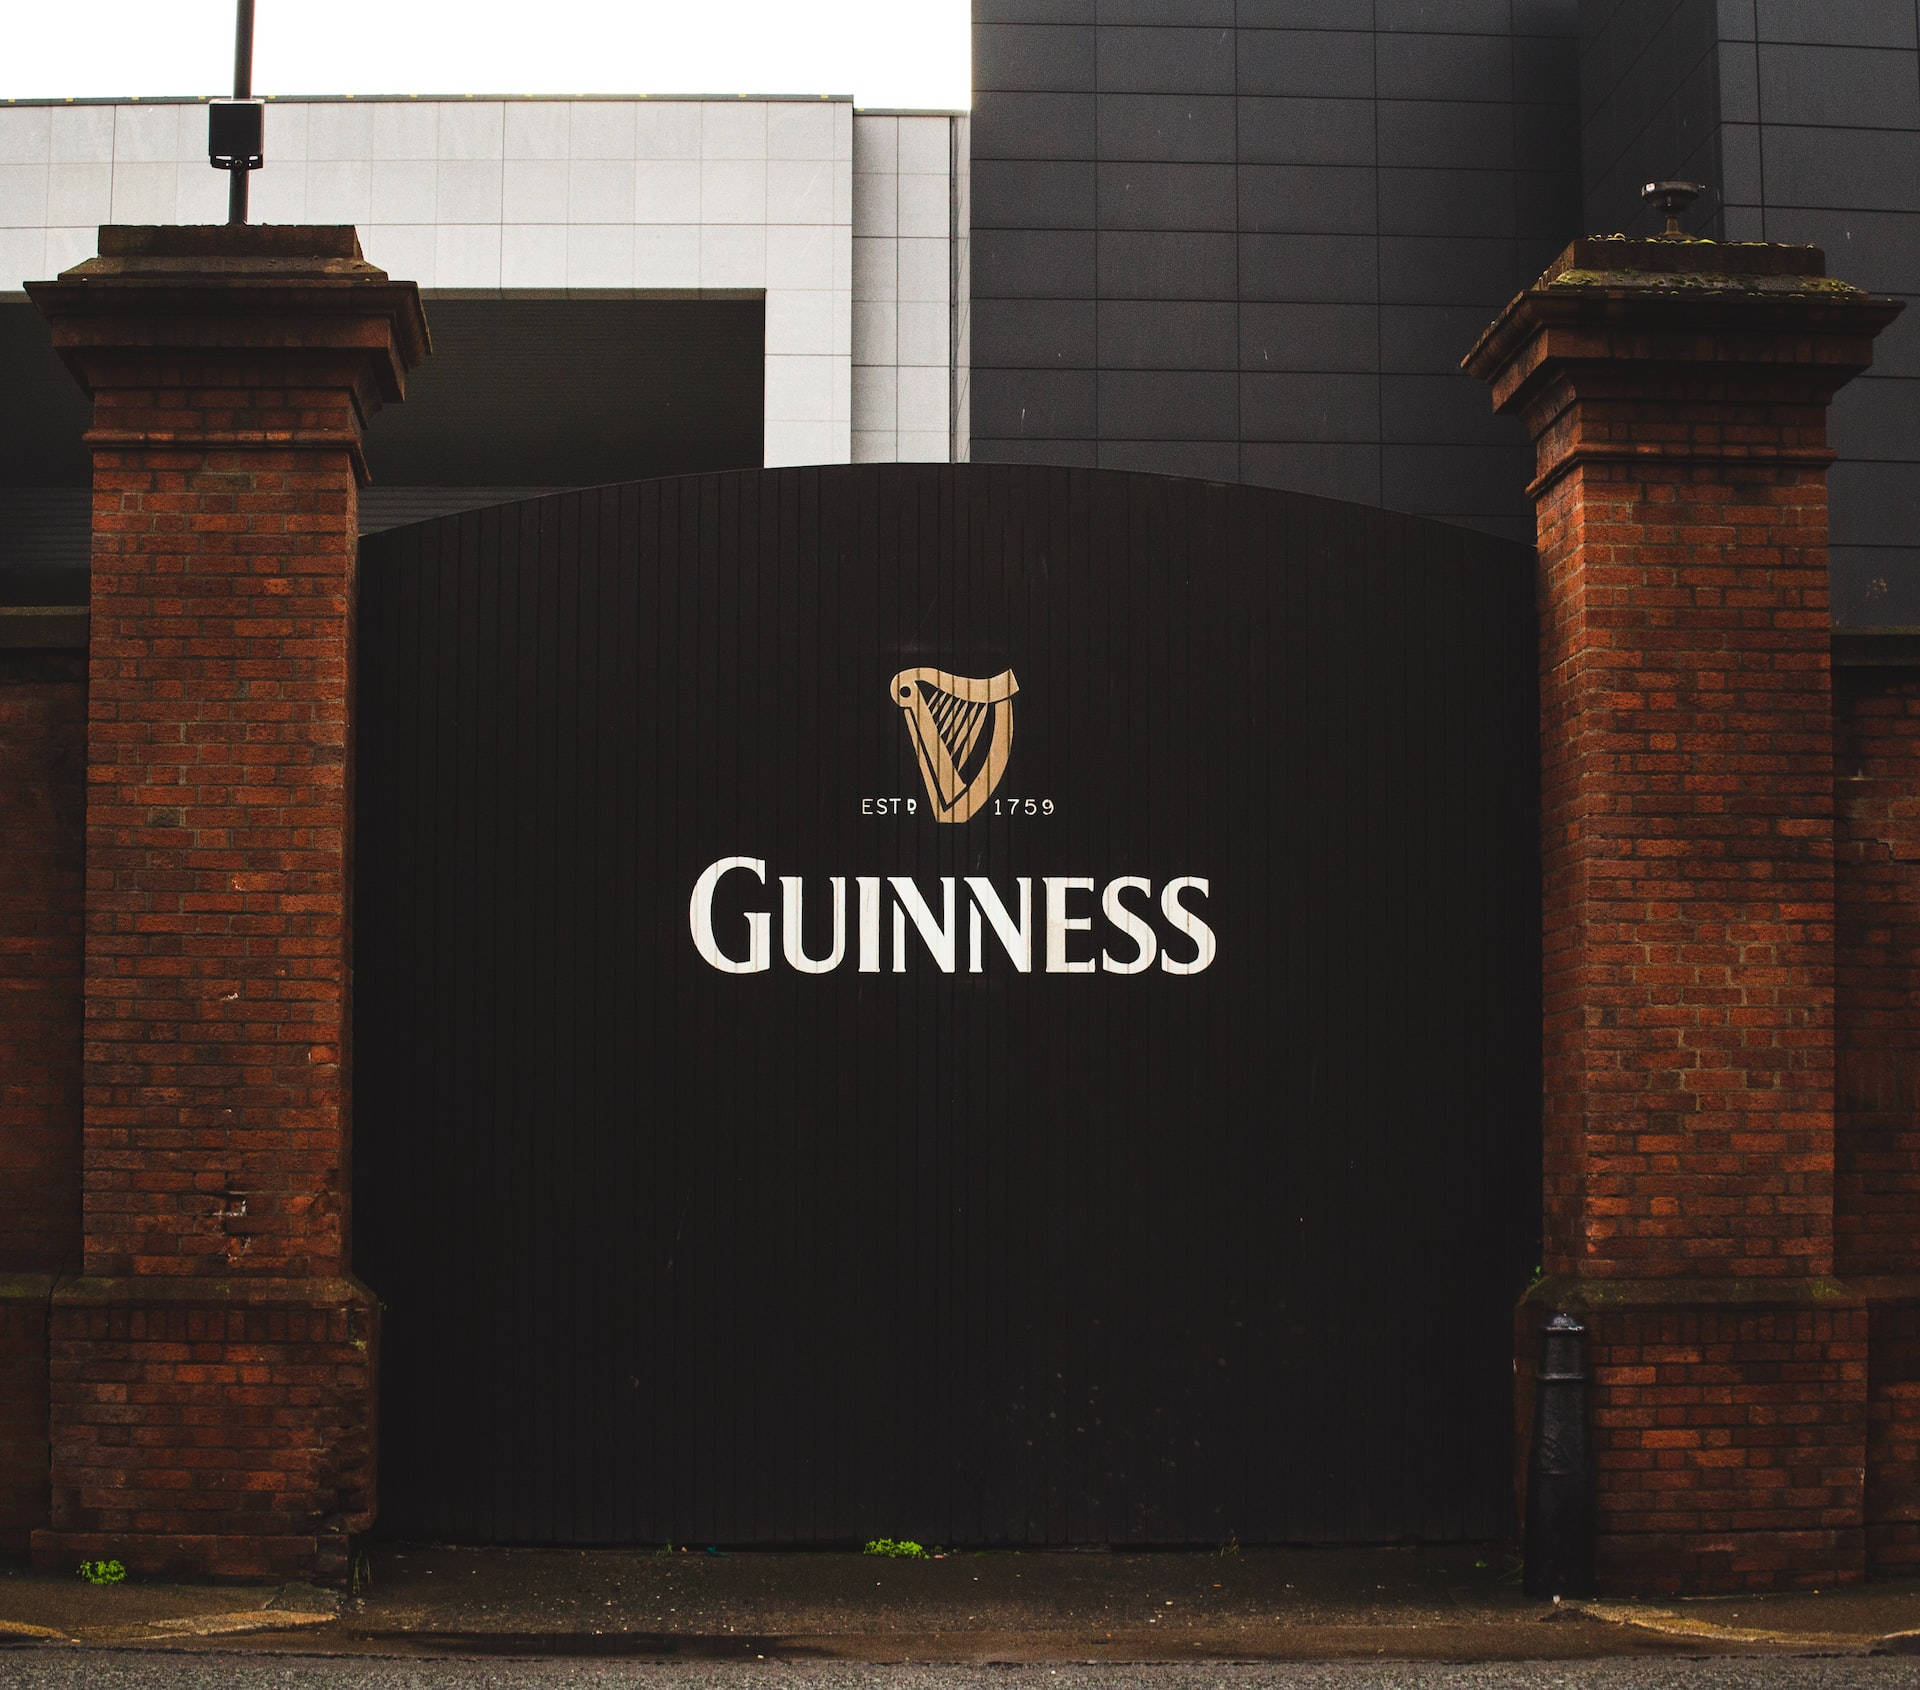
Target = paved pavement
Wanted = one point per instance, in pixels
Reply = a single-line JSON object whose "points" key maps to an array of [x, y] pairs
{"points": [[1434, 1605]]}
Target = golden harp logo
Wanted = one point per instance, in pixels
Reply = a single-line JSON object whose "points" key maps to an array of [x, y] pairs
{"points": [[962, 731]]}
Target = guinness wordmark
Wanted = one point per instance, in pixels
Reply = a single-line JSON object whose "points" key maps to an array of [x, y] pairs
{"points": [[941, 933]]}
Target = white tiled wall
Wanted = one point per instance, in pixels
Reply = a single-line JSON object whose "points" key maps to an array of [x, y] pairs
{"points": [[850, 235], [909, 286]]}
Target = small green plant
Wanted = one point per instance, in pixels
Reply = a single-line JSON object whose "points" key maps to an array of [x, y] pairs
{"points": [[900, 1548], [102, 1572]]}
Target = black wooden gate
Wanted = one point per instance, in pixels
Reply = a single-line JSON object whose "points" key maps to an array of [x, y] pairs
{"points": [[1205, 1248]]}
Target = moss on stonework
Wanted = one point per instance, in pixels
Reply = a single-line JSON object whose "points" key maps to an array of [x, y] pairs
{"points": [[1698, 281]]}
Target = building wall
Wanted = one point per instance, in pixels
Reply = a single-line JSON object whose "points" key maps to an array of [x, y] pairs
{"points": [[1649, 110], [909, 286], [1803, 120], [1251, 239], [572, 196]]}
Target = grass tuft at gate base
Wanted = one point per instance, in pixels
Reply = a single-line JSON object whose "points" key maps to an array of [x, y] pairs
{"points": [[900, 1549]]}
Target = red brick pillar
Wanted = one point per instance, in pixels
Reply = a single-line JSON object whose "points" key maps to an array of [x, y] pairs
{"points": [[1677, 393], [212, 1365]]}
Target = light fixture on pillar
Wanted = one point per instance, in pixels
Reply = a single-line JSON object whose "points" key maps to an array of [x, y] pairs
{"points": [[235, 128], [1671, 199]]}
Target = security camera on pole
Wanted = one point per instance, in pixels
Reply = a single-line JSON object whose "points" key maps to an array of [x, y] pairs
{"points": [[235, 128]]}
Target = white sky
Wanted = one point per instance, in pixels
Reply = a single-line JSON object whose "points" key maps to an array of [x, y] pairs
{"points": [[911, 53]]}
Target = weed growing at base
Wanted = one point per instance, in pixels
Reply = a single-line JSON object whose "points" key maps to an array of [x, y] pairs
{"points": [[901, 1549], [102, 1572]]}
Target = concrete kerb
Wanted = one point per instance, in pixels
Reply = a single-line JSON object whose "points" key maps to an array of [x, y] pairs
{"points": [[1004, 1607]]}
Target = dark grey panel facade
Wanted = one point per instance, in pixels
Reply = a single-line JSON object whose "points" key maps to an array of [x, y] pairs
{"points": [[521, 394], [1802, 117], [1251, 239], [1330, 200]]}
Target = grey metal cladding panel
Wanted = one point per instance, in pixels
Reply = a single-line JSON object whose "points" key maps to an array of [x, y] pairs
{"points": [[1335, 269], [1032, 125], [1033, 194], [1547, 68], [1171, 127], [1033, 404], [1642, 50], [1663, 139], [1138, 195], [1736, 149], [1034, 11], [1472, 17], [1876, 250], [1448, 270], [1445, 67], [1142, 265], [1897, 351], [1877, 418], [1467, 134], [1420, 410], [1639, 66], [1847, 87], [1547, 17], [1547, 205], [1218, 13], [1168, 405], [1210, 460], [1875, 586], [1489, 480], [1825, 167], [1299, 405], [1320, 62], [1080, 454], [1737, 22], [1168, 334], [1166, 61], [1334, 471], [1308, 199], [1310, 337], [1875, 504], [1737, 73], [1033, 334], [1850, 23], [1032, 56], [1545, 138], [1613, 204], [1443, 202], [1306, 131], [1032, 264], [1302, 14], [1530, 260], [1431, 339]]}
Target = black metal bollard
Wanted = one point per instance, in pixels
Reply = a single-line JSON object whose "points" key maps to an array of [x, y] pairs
{"points": [[1559, 1548]]}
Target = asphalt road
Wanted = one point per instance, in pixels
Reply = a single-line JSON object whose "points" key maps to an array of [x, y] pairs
{"points": [[86, 1669]]}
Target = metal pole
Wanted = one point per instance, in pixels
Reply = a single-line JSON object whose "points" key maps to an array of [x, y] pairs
{"points": [[1559, 1549], [242, 90]]}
